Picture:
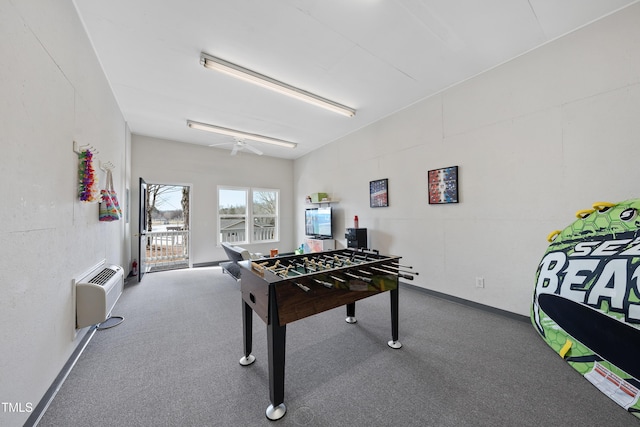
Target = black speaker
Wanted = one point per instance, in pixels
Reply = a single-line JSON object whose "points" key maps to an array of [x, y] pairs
{"points": [[356, 238]]}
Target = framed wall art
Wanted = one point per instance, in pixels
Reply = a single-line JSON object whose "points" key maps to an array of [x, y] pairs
{"points": [[443, 185], [379, 193]]}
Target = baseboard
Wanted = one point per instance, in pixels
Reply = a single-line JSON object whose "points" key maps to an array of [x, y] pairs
{"points": [[208, 264], [468, 303], [46, 400]]}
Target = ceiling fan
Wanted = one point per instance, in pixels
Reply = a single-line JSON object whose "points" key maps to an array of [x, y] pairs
{"points": [[240, 145]]}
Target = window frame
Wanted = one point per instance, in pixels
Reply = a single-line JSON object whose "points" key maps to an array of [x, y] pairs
{"points": [[249, 214]]}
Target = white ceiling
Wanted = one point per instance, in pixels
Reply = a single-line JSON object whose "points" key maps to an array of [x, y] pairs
{"points": [[377, 56]]}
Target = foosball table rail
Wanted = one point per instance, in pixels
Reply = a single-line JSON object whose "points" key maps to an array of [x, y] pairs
{"points": [[305, 285]]}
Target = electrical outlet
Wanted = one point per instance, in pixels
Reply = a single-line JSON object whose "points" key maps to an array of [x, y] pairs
{"points": [[479, 282]]}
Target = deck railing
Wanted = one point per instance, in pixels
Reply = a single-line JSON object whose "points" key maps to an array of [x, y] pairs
{"points": [[167, 247], [259, 234]]}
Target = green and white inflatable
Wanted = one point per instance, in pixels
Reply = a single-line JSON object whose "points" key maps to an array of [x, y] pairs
{"points": [[586, 303]]}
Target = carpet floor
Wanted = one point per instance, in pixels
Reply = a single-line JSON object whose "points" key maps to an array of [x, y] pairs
{"points": [[174, 362]]}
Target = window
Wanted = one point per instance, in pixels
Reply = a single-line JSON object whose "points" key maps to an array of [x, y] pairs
{"points": [[265, 215], [239, 208], [232, 215]]}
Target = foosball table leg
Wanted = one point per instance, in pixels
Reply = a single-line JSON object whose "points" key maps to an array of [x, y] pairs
{"points": [[247, 330], [394, 343], [276, 346], [351, 313], [274, 413]]}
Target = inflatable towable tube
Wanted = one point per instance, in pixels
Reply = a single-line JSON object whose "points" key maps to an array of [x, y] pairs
{"points": [[586, 303]]}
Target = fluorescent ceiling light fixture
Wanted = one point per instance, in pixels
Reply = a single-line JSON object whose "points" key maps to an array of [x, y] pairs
{"points": [[240, 134], [245, 74]]}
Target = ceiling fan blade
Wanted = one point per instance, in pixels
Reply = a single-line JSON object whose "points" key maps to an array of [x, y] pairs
{"points": [[235, 149], [254, 149]]}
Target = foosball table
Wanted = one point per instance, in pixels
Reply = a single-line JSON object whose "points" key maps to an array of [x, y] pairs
{"points": [[284, 289]]}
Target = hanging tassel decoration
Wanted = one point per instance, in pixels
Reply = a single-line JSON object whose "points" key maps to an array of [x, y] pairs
{"points": [[88, 183]]}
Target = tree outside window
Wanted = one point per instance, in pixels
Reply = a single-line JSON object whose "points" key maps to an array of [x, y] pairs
{"points": [[167, 204]]}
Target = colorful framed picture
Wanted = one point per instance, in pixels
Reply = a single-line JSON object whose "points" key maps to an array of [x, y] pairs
{"points": [[379, 193], [443, 185]]}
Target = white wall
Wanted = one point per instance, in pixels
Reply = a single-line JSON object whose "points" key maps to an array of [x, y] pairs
{"points": [[52, 92], [204, 168], [536, 139]]}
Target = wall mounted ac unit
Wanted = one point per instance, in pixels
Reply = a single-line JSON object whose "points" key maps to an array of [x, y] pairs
{"points": [[97, 293]]}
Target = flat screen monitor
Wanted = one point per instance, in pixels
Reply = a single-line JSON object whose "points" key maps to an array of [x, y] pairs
{"points": [[318, 222]]}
